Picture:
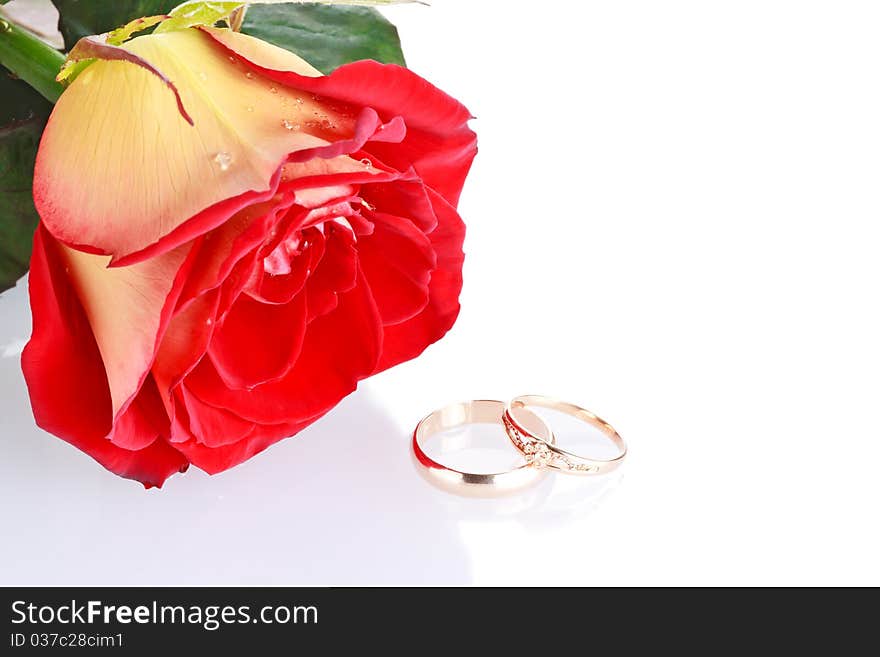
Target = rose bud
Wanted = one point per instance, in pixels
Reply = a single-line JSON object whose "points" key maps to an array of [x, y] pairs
{"points": [[201, 291]]}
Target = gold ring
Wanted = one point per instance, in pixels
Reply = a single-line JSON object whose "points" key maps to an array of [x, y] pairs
{"points": [[546, 453], [480, 411]]}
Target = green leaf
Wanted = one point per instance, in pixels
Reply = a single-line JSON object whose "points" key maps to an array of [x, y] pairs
{"points": [[22, 117], [81, 18], [18, 218], [210, 12], [326, 36]]}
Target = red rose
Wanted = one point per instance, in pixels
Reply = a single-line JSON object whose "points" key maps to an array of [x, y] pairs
{"points": [[201, 292]]}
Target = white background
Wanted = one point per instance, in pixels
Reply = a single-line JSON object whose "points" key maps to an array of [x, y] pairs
{"points": [[683, 197]]}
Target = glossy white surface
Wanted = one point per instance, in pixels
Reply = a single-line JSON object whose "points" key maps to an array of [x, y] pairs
{"points": [[683, 196]]}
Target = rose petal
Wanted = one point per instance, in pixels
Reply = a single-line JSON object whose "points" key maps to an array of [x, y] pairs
{"points": [[442, 161], [214, 459], [222, 248], [340, 349], [128, 309], [97, 47], [315, 190], [397, 260], [143, 422], [282, 288], [438, 143], [180, 423], [213, 427], [66, 381], [184, 343], [258, 342], [337, 272], [403, 199], [367, 126], [410, 338], [117, 129]]}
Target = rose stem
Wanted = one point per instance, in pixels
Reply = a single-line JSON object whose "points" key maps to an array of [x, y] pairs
{"points": [[30, 58]]}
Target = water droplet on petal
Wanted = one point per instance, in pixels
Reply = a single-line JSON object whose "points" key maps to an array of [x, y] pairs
{"points": [[223, 160], [299, 101], [232, 59], [273, 90], [367, 163], [249, 75], [326, 124], [289, 125]]}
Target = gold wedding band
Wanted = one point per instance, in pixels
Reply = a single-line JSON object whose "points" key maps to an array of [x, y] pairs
{"points": [[547, 453], [528, 433], [480, 411]]}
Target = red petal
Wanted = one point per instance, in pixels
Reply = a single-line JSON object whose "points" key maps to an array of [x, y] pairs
{"points": [[392, 90], [128, 310], [213, 427], [282, 288], [409, 339], [336, 272], [442, 161], [258, 342], [143, 422], [180, 430], [221, 249], [214, 459], [340, 349], [67, 384], [184, 344], [368, 127], [397, 260], [335, 177], [438, 143], [403, 199]]}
